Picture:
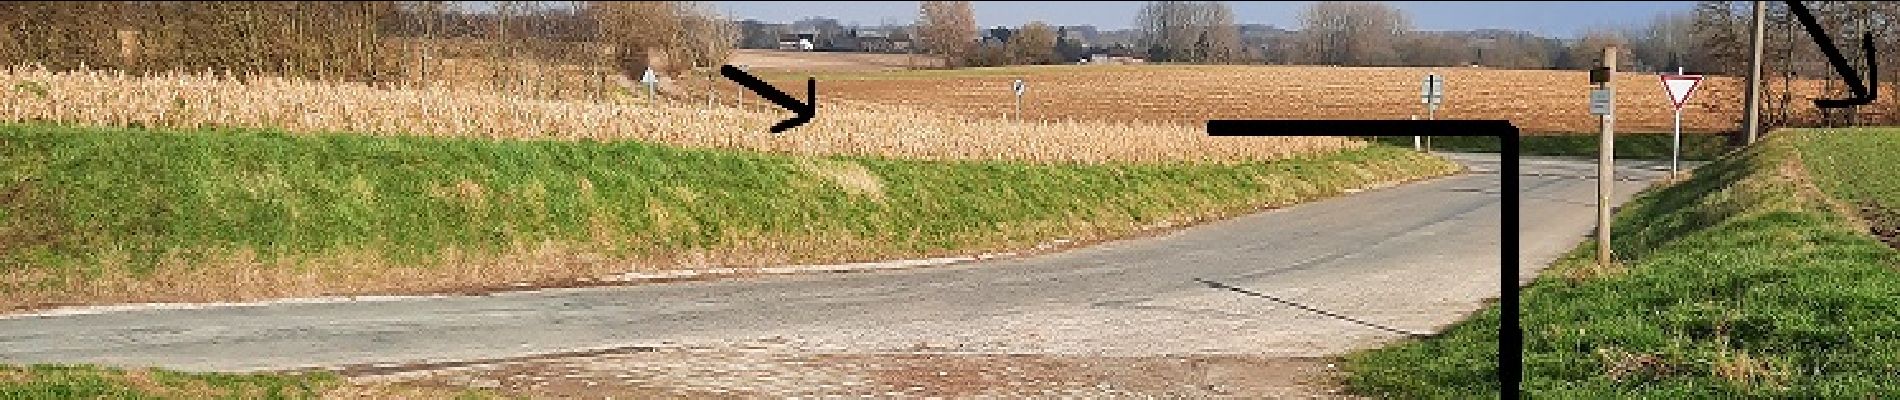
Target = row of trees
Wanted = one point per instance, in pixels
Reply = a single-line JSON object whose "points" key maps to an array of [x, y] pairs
{"points": [[1330, 33], [514, 42], [1720, 43], [1376, 34]]}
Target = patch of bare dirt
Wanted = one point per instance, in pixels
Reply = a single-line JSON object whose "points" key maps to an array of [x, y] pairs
{"points": [[1883, 222], [758, 373]]}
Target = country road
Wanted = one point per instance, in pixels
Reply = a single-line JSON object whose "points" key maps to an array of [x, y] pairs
{"points": [[1363, 268]]}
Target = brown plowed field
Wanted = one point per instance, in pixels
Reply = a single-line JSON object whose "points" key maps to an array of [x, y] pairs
{"points": [[1537, 101]]}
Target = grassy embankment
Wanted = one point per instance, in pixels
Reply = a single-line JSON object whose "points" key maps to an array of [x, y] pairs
{"points": [[1747, 280], [103, 215]]}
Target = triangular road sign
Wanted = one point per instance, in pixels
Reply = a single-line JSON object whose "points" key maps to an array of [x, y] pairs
{"points": [[649, 78], [1680, 87]]}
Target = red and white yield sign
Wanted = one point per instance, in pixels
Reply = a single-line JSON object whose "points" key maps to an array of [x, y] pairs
{"points": [[1680, 87]]}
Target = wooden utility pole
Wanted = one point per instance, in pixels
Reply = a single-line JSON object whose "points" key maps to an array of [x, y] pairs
{"points": [[1606, 152], [1751, 123]]}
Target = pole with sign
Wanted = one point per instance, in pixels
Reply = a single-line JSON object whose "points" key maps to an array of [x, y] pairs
{"points": [[1019, 87], [1603, 104], [1432, 93], [1679, 87]]}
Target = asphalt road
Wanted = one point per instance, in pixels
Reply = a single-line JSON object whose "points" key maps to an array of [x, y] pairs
{"points": [[1316, 279]]}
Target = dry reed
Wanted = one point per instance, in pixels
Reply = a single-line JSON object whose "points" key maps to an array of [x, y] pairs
{"points": [[192, 100]]}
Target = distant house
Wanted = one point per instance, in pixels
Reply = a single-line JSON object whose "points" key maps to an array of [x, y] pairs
{"points": [[796, 41], [879, 40], [996, 36], [1113, 56]]}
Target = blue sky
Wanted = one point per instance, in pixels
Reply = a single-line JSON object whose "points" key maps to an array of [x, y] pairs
{"points": [[1548, 18]]}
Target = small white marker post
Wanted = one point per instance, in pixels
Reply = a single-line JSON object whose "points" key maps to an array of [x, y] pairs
{"points": [[1679, 87], [1019, 86], [649, 79], [1416, 146]]}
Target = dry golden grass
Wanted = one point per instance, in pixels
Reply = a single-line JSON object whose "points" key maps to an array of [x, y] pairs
{"points": [[1536, 101], [842, 127]]}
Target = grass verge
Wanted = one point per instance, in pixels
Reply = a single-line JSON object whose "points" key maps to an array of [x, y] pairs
{"points": [[1743, 281], [1857, 166], [106, 215], [48, 381], [1655, 146]]}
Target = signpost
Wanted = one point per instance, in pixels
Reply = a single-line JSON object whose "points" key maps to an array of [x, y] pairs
{"points": [[1679, 88], [1602, 103], [1019, 87], [1432, 93], [650, 80]]}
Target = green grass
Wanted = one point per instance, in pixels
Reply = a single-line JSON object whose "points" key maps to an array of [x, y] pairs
{"points": [[89, 382], [1734, 283], [82, 201], [63, 381], [1654, 146], [1857, 166]]}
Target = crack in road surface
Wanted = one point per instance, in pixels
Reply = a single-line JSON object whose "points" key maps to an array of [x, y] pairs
{"points": [[1420, 255]]}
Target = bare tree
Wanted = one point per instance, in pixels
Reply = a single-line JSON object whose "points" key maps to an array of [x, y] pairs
{"points": [[1587, 52], [1034, 44], [1352, 33], [1665, 43], [636, 30], [1188, 31], [704, 39], [1219, 39], [947, 29], [1721, 35]]}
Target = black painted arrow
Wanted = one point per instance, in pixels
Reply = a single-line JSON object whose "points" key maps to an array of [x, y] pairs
{"points": [[804, 110], [1862, 93]]}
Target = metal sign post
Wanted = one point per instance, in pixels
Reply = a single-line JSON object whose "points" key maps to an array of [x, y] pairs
{"points": [[1603, 104], [1679, 87], [1019, 87], [1432, 93]]}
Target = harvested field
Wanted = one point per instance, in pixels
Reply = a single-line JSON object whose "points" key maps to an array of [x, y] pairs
{"points": [[1537, 101], [844, 128]]}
